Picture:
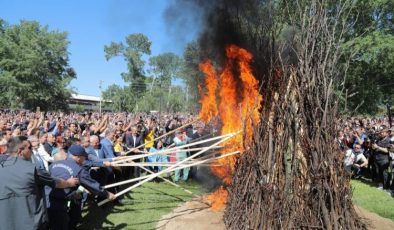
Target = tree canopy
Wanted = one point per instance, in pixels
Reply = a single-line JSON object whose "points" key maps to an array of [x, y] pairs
{"points": [[370, 43], [34, 68], [149, 85]]}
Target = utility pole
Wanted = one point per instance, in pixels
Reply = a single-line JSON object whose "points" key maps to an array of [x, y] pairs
{"points": [[101, 94]]}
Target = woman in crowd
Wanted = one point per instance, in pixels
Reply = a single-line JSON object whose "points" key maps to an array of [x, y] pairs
{"points": [[159, 157]]}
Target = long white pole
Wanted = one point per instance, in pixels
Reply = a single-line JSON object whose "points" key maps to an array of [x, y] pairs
{"points": [[180, 167], [169, 169], [183, 146], [159, 152]]}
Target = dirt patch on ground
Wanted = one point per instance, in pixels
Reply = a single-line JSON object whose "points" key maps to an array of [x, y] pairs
{"points": [[374, 220], [192, 215], [197, 214]]}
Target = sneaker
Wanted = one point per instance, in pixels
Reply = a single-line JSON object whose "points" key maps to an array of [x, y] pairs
{"points": [[380, 186]]}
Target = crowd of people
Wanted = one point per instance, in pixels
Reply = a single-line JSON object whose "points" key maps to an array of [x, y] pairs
{"points": [[368, 148], [50, 162]]}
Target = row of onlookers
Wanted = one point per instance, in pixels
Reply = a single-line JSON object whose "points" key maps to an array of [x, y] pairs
{"points": [[368, 145], [51, 161]]}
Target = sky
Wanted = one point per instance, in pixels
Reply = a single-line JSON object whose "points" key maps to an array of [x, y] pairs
{"points": [[92, 24]]}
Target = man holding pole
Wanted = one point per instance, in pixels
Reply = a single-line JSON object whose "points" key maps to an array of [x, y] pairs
{"points": [[60, 200], [21, 183]]}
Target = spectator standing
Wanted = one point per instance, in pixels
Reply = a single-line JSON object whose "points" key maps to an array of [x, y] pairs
{"points": [[50, 144], [42, 152], [381, 160], [179, 140], [160, 158], [133, 140]]}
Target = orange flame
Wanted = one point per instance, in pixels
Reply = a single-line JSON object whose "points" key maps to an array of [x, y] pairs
{"points": [[239, 107], [218, 198], [208, 101]]}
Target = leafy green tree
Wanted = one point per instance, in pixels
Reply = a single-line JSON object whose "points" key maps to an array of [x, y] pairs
{"points": [[120, 97], [34, 68], [132, 52], [165, 68], [370, 43], [191, 74]]}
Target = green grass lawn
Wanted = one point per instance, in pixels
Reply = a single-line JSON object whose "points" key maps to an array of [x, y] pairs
{"points": [[142, 209], [374, 200]]}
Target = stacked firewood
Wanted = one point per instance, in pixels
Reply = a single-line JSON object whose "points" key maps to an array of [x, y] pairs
{"points": [[292, 176]]}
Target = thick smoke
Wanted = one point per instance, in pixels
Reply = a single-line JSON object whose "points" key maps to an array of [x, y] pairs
{"points": [[245, 23]]}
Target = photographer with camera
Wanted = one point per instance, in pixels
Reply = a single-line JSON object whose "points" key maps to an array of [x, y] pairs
{"points": [[381, 159], [388, 153]]}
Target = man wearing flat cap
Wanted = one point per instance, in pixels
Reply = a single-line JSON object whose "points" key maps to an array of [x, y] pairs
{"points": [[61, 200]]}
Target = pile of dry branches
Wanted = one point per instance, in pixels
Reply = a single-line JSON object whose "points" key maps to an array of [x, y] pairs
{"points": [[293, 177]]}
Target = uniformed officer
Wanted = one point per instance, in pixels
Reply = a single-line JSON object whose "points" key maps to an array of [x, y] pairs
{"points": [[64, 204]]}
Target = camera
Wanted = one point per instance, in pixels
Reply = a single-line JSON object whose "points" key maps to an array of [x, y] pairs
{"points": [[373, 136]]}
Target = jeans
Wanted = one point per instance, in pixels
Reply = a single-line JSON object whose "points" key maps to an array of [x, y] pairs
{"points": [[180, 156], [383, 173]]}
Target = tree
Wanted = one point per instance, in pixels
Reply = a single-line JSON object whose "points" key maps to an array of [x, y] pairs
{"points": [[136, 46], [191, 74], [34, 68], [120, 97], [371, 43], [165, 67]]}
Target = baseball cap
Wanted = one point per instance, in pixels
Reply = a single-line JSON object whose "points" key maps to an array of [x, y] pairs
{"points": [[77, 150]]}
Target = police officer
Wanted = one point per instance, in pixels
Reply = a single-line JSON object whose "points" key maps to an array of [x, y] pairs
{"points": [[64, 204]]}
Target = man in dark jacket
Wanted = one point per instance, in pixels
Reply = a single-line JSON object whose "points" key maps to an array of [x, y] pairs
{"points": [[132, 141], [60, 200], [21, 198]]}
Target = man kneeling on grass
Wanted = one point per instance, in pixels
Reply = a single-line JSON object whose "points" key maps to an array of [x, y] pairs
{"points": [[355, 161]]}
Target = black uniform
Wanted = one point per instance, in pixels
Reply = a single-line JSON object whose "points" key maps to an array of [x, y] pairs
{"points": [[21, 197], [62, 215]]}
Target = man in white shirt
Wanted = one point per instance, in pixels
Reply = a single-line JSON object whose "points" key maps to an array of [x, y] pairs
{"points": [[355, 161]]}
